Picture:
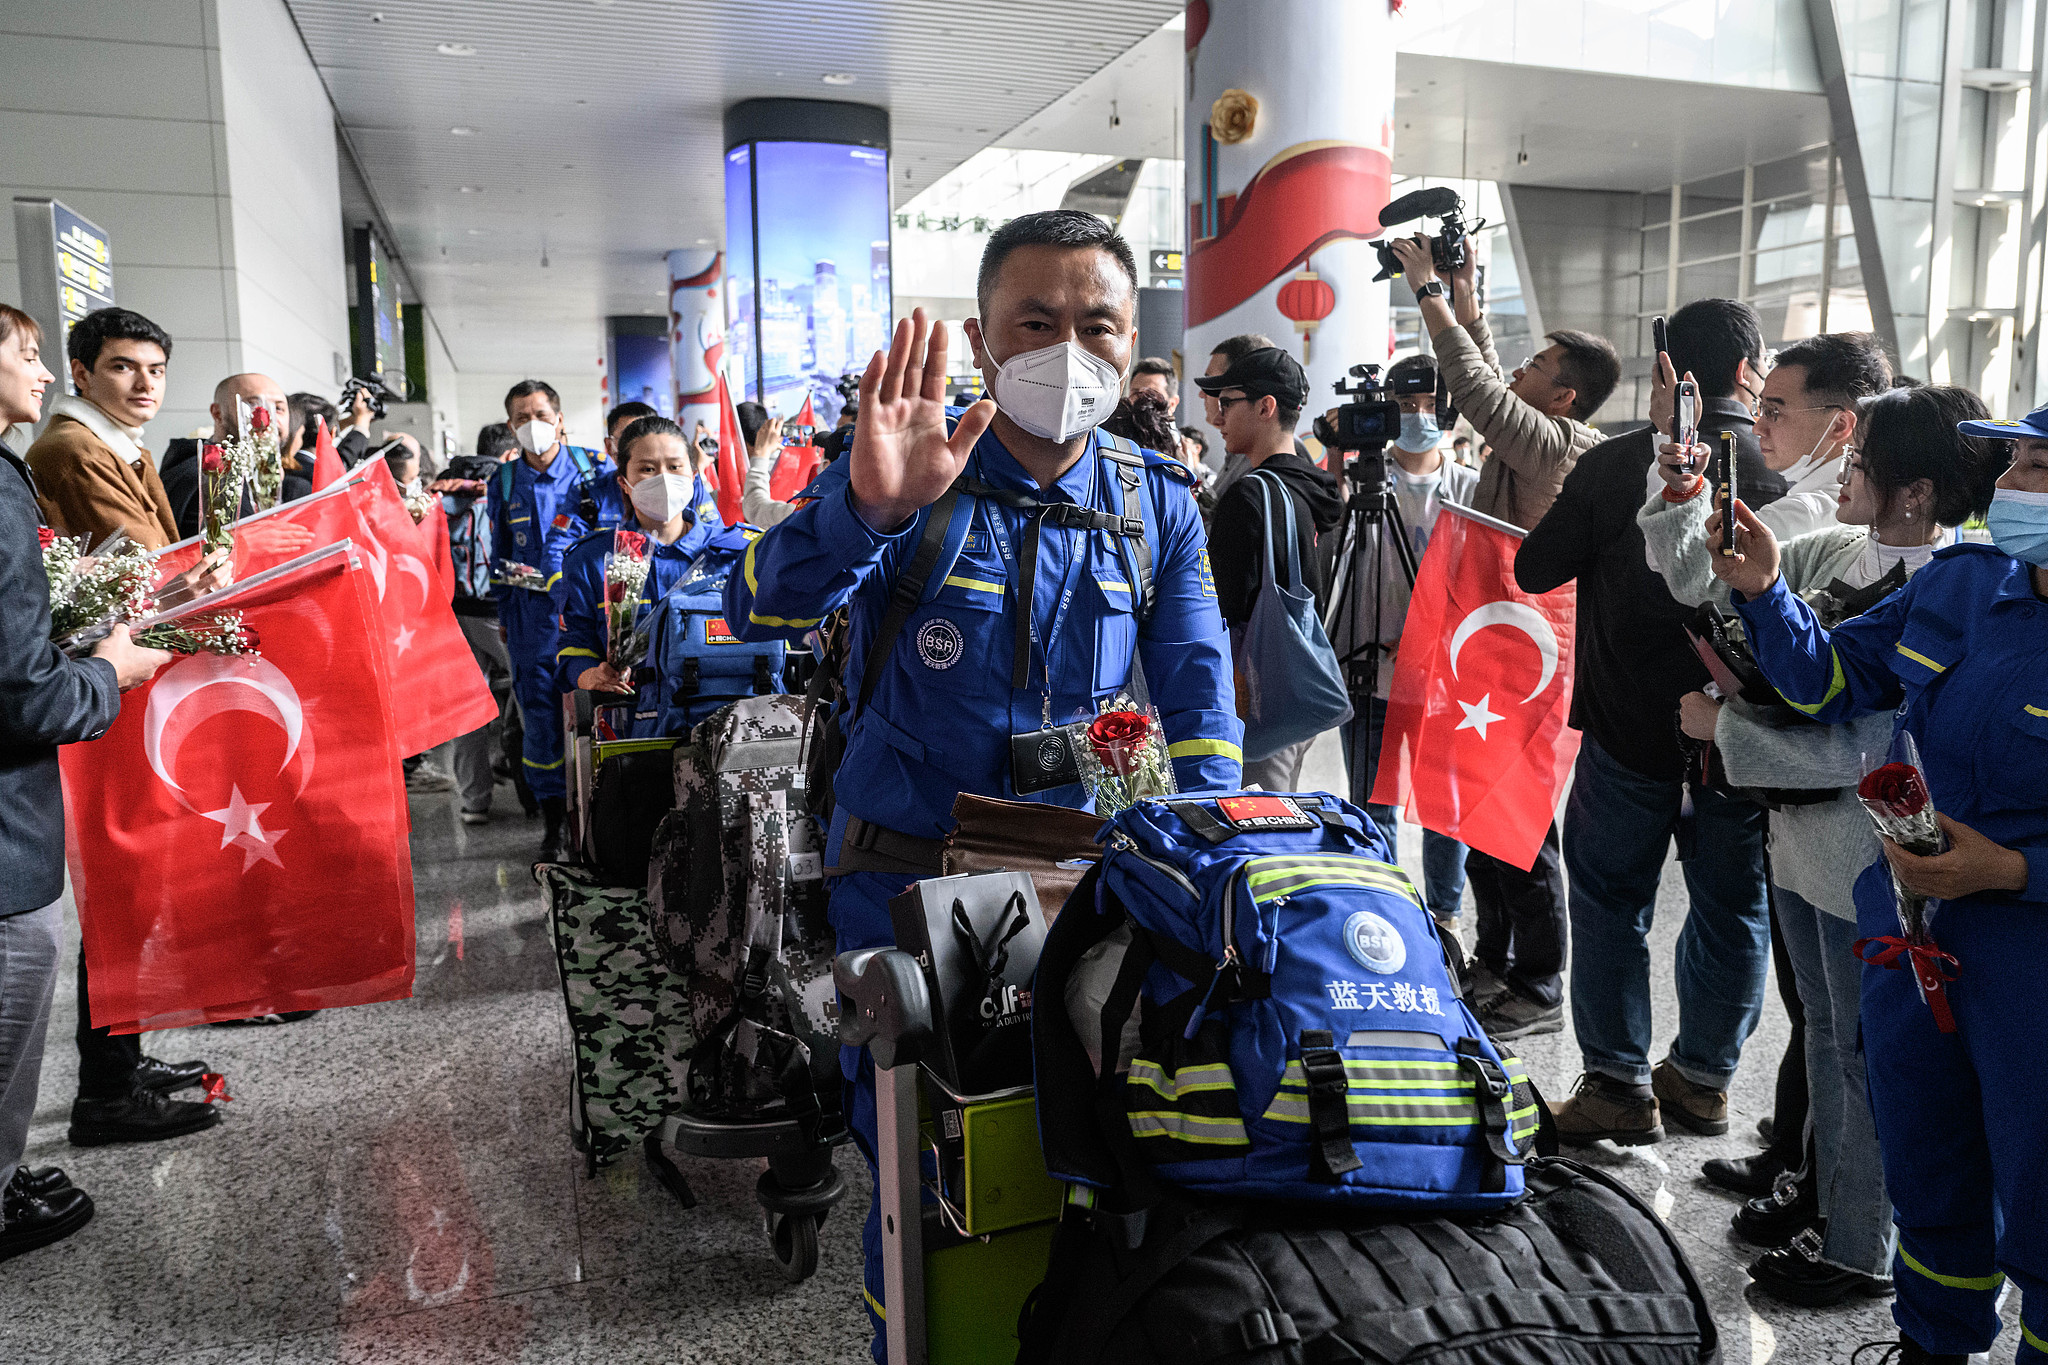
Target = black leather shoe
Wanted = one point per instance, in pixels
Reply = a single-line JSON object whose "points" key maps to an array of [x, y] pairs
{"points": [[552, 810], [1796, 1274], [39, 1183], [138, 1116], [1774, 1219], [168, 1077], [1746, 1175], [31, 1221], [1904, 1351]]}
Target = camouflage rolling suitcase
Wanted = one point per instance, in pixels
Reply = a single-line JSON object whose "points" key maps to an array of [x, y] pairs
{"points": [[627, 1010], [737, 889]]}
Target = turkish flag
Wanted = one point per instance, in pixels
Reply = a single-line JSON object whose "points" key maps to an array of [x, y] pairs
{"points": [[730, 470], [434, 532], [1477, 745], [327, 465], [214, 821]]}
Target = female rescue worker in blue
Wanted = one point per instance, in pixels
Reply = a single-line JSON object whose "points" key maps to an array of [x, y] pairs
{"points": [[672, 508], [1049, 534], [1961, 652]]}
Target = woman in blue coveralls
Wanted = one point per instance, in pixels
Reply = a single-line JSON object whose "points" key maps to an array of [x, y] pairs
{"points": [[1961, 652], [658, 479]]}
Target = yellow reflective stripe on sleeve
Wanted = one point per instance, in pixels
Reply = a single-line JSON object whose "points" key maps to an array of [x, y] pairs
{"points": [[978, 584], [1983, 1282], [2027, 1334], [542, 766], [1917, 658], [1188, 1128], [552, 581], [1834, 688], [578, 652], [754, 617], [1197, 748], [874, 1304], [2035, 711], [747, 566]]}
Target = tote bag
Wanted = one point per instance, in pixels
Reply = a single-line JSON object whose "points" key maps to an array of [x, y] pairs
{"points": [[1294, 688]]}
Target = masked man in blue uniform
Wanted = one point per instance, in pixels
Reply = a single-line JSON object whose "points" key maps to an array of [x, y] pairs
{"points": [[673, 509], [1057, 563], [553, 495]]}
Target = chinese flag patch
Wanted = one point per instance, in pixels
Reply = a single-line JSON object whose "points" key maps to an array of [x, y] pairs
{"points": [[716, 632], [1263, 812]]}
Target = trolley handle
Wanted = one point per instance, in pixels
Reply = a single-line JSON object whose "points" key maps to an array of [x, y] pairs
{"points": [[888, 1008]]}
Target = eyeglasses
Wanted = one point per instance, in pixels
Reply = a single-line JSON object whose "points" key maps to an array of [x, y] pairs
{"points": [[1223, 403], [1530, 364], [1852, 463], [1774, 410]]}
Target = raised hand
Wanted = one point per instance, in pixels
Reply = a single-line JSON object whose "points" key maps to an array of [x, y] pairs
{"points": [[902, 458], [1754, 566]]}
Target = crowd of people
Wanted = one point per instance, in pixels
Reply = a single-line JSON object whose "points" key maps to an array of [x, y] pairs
{"points": [[1901, 1159]]}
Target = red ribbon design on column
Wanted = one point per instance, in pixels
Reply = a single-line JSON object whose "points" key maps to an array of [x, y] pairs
{"points": [[1926, 958]]}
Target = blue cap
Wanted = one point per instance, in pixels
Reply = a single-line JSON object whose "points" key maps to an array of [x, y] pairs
{"points": [[2034, 424]]}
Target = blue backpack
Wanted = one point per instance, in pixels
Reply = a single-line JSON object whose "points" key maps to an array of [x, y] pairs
{"points": [[1300, 1035], [699, 663]]}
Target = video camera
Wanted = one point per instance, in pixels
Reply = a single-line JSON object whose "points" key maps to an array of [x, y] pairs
{"points": [[1370, 420], [374, 388], [1448, 248]]}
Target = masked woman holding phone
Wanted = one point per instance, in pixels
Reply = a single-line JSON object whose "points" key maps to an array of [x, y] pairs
{"points": [[1960, 655]]}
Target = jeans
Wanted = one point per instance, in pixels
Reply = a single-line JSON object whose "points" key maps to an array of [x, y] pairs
{"points": [[29, 943], [1618, 825], [1443, 858], [472, 752], [1850, 1168]]}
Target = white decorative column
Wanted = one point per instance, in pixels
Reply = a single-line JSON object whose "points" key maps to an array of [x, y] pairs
{"points": [[1290, 140], [696, 332]]}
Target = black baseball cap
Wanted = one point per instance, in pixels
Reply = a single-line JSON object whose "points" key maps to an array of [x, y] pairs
{"points": [[1268, 371]]}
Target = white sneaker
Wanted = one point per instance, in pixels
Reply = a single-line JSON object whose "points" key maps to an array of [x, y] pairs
{"points": [[476, 817]]}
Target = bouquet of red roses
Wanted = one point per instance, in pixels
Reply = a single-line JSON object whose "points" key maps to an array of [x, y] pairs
{"points": [[625, 574], [1124, 760], [1896, 796]]}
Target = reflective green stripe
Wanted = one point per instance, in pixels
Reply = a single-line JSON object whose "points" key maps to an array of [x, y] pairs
{"points": [[1985, 1282], [542, 766], [874, 1305], [1287, 1113], [2027, 1335], [1294, 1108], [552, 581], [1265, 885], [1188, 1128], [1112, 585], [1188, 1080], [1514, 1114], [1196, 748], [1834, 688], [978, 584], [1273, 893], [577, 651], [1277, 863], [757, 619], [1919, 658], [1359, 1070]]}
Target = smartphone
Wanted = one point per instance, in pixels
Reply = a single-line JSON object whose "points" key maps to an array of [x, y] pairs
{"points": [[1724, 488], [798, 436], [1659, 342], [1685, 417]]}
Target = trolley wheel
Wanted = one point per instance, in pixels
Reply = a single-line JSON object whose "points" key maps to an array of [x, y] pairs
{"points": [[794, 1240]]}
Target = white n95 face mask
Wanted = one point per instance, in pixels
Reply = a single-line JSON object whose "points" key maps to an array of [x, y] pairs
{"points": [[1058, 391], [535, 436], [661, 496]]}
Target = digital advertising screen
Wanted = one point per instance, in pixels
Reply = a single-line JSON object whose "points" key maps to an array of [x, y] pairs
{"points": [[380, 344], [807, 232], [643, 372]]}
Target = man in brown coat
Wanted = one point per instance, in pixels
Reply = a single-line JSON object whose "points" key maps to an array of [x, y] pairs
{"points": [[1535, 421], [92, 471]]}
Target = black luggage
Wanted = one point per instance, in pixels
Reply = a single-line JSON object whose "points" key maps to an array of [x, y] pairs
{"points": [[1578, 1272]]}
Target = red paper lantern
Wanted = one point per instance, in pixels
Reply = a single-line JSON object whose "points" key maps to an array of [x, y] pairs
{"points": [[1305, 301]]}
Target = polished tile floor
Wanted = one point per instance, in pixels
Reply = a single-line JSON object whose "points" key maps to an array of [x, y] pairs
{"points": [[393, 1183]]}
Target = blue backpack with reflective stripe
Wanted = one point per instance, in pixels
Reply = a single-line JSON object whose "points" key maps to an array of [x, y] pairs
{"points": [[1300, 1033], [695, 662]]}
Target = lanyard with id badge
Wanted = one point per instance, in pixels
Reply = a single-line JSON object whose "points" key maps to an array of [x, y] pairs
{"points": [[1040, 759]]}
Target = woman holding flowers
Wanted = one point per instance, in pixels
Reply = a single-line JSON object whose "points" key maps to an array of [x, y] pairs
{"points": [[1961, 655]]}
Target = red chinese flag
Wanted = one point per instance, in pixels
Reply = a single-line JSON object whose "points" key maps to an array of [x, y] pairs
{"points": [[431, 666], [731, 466], [214, 821], [327, 465], [1477, 745]]}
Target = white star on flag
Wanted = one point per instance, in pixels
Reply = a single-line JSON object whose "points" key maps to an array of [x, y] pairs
{"points": [[1478, 716], [242, 826], [403, 640]]}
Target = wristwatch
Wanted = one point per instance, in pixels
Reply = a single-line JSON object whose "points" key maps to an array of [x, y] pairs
{"points": [[1434, 289]]}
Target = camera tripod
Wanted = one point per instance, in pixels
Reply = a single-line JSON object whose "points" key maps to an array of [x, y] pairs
{"points": [[1370, 513]]}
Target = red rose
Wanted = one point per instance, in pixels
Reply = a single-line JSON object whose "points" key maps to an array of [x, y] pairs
{"points": [[615, 592], [1897, 787], [212, 458], [632, 543], [45, 537], [1116, 737], [259, 420]]}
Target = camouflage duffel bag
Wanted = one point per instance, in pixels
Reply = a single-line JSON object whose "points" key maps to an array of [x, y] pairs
{"points": [[628, 1011]]}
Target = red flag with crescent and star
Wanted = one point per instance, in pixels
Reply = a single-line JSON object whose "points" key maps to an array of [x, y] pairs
{"points": [[213, 822], [1477, 744]]}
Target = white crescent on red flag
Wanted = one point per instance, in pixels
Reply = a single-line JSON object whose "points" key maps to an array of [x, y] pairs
{"points": [[1477, 742], [213, 822]]}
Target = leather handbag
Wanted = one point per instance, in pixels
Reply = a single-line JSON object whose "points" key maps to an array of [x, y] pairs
{"points": [[1023, 836]]}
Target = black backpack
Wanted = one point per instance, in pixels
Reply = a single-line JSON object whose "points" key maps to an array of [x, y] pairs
{"points": [[1578, 1272]]}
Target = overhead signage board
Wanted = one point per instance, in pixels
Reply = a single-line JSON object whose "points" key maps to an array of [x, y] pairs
{"points": [[67, 271]]}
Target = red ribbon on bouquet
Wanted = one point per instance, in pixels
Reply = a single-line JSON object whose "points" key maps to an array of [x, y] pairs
{"points": [[1926, 959]]}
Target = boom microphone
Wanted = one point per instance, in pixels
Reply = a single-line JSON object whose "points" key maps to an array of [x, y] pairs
{"points": [[1429, 203]]}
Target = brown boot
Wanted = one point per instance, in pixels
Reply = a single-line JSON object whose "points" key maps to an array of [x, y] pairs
{"points": [[1603, 1108], [1695, 1108]]}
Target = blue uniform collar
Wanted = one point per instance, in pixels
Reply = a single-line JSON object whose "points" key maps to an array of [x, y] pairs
{"points": [[563, 470], [2015, 585], [1000, 467]]}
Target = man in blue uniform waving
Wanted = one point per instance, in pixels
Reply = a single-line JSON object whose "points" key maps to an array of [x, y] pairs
{"points": [[553, 495], [1054, 564]]}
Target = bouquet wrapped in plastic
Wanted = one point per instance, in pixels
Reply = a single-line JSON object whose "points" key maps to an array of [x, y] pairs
{"points": [[625, 574], [259, 430], [1124, 758], [224, 469], [512, 574], [1896, 796], [91, 594]]}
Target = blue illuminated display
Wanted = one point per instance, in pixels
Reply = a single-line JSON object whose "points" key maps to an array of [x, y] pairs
{"points": [[807, 261]]}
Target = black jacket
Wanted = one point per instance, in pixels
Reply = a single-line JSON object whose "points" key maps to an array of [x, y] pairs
{"points": [[1237, 531], [1631, 661], [179, 469], [45, 700]]}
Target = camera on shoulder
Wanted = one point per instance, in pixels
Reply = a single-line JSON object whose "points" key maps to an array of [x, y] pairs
{"points": [[1448, 249]]}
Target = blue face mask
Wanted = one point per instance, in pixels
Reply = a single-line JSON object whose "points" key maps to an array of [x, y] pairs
{"points": [[2019, 524], [1419, 432]]}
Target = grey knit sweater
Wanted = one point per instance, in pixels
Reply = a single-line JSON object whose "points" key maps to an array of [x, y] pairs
{"points": [[1817, 851]]}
